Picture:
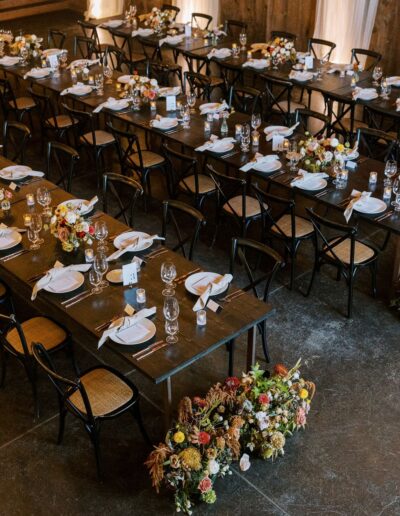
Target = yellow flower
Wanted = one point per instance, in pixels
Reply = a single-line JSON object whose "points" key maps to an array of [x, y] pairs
{"points": [[179, 437], [340, 147], [303, 394], [191, 458]]}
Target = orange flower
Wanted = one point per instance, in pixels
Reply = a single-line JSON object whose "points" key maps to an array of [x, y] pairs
{"points": [[280, 370]]}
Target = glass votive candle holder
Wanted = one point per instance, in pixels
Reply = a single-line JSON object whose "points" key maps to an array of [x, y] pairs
{"points": [[285, 145], [30, 199], [27, 217], [342, 74], [74, 76], [89, 255], [91, 79], [249, 55], [153, 105], [118, 86], [344, 175], [387, 192], [201, 318], [255, 139], [238, 130], [210, 117], [178, 105], [141, 295], [373, 177], [207, 127]]}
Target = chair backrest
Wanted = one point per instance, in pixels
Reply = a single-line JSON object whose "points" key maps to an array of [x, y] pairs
{"points": [[377, 144], [84, 47], [61, 160], [173, 211], [86, 125], [15, 140], [283, 34], [234, 27], [372, 57], [173, 8], [45, 106], [314, 44], [277, 91], [151, 49], [241, 250], [125, 192], [230, 73], [199, 84], [11, 322], [201, 21], [56, 38], [128, 145], [245, 99], [181, 166], [6, 96], [116, 59], [318, 121], [160, 71], [338, 109], [89, 30]]}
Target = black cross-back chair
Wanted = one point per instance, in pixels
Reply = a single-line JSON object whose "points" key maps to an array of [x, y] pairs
{"points": [[283, 34], [116, 59], [371, 56], [16, 340], [246, 99], [377, 144], [313, 42], [184, 177], [84, 48], [6, 302], [56, 38], [19, 106], [173, 212], [16, 136], [98, 394], [61, 160], [341, 114], [203, 85], [163, 73], [197, 18], [241, 251], [343, 251], [230, 74], [278, 100], [125, 192], [379, 117], [304, 116], [89, 30], [234, 27], [173, 8], [153, 54]]}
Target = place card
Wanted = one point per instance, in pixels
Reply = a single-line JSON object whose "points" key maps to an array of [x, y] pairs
{"points": [[351, 164], [171, 103], [53, 61], [213, 306], [277, 141], [129, 274], [129, 310], [13, 186], [309, 62]]}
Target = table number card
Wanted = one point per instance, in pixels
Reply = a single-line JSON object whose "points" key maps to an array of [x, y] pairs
{"points": [[129, 310], [13, 186], [129, 274], [277, 140], [309, 62], [53, 61], [213, 306], [171, 103]]}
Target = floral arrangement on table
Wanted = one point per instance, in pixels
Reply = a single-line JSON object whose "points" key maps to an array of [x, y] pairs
{"points": [[5, 198], [318, 152], [158, 19], [148, 87], [70, 227], [255, 413], [29, 41], [280, 50]]}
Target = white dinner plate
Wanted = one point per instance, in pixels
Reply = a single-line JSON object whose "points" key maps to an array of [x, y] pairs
{"points": [[222, 148], [268, 166], [118, 105], [354, 155], [370, 206], [67, 282], [113, 24], [114, 276], [39, 74], [124, 79], [139, 333], [166, 125], [9, 241], [275, 128], [52, 52], [312, 185], [197, 283], [210, 106], [78, 204], [15, 172], [80, 90], [120, 239]]}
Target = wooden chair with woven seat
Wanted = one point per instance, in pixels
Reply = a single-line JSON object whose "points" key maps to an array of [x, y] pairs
{"points": [[98, 394], [343, 251], [125, 44], [306, 118], [172, 8], [85, 48], [377, 144], [361, 53], [19, 106], [154, 54], [185, 178], [279, 103], [125, 192], [201, 18], [314, 48], [283, 34], [173, 212], [137, 161], [61, 159], [203, 85], [56, 38], [283, 225], [89, 30], [16, 136], [17, 339], [6, 299], [341, 114], [267, 263], [245, 99], [234, 27], [233, 201], [163, 73], [87, 135]]}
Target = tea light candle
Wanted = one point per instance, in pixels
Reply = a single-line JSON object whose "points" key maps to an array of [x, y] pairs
{"points": [[387, 192], [30, 199], [207, 127], [178, 105], [153, 105], [210, 117], [234, 46], [141, 295], [27, 219], [249, 55], [118, 86], [238, 130], [73, 74], [373, 177], [344, 174], [201, 318], [285, 144], [353, 81], [255, 139], [91, 79], [89, 255]]}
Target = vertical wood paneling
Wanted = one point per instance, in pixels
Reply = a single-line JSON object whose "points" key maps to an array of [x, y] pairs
{"points": [[385, 36]]}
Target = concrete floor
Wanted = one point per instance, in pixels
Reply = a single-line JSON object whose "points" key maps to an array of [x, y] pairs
{"points": [[346, 463]]}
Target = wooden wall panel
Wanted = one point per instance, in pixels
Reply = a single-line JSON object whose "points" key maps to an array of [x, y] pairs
{"points": [[385, 36]]}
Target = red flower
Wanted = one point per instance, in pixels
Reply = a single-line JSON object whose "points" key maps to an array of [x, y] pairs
{"points": [[200, 402], [91, 230], [204, 437], [80, 234], [280, 370], [263, 399], [232, 382], [205, 484]]}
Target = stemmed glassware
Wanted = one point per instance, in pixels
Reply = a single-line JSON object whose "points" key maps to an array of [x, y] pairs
{"points": [[191, 100], [245, 138], [99, 82], [43, 197], [376, 75], [386, 89], [95, 281], [36, 225], [100, 265], [243, 40], [101, 233], [171, 313], [168, 274], [396, 191], [390, 171], [33, 238], [255, 122], [24, 53], [107, 73], [63, 58], [293, 156]]}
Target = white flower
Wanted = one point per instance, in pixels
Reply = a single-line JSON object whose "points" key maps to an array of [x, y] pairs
{"points": [[83, 226], [247, 405], [244, 463], [328, 156], [318, 162], [153, 82], [279, 410], [313, 146], [213, 467], [53, 219], [70, 217], [86, 70], [334, 142], [289, 382]]}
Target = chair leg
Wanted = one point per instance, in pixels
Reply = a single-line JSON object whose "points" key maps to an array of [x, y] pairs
{"points": [[32, 379], [71, 354], [137, 414], [292, 270], [231, 351], [374, 270], [350, 297], [94, 437], [3, 365], [61, 426], [315, 268], [263, 332]]}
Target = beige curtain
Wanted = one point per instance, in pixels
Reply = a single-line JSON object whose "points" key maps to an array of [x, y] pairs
{"points": [[187, 7], [104, 8]]}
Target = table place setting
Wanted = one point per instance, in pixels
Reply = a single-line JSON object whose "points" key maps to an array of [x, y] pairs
{"points": [[219, 146], [164, 123], [206, 285], [213, 107], [169, 91], [268, 163], [131, 330], [312, 181], [38, 73], [81, 206], [19, 172], [280, 130], [219, 53], [61, 280], [145, 33], [365, 93], [83, 63], [113, 104], [172, 40], [132, 241], [301, 76], [363, 202], [258, 64], [393, 81], [9, 61], [112, 24], [78, 89], [9, 238]]}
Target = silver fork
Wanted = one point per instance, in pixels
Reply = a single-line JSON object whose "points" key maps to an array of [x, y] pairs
{"points": [[229, 154], [88, 294], [15, 255], [67, 301]]}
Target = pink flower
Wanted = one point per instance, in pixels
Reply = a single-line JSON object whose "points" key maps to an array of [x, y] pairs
{"points": [[205, 484], [232, 382], [204, 437], [300, 417], [263, 399], [63, 234], [9, 194]]}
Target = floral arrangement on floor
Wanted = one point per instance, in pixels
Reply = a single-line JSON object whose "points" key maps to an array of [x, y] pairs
{"points": [[30, 41], [158, 19], [318, 152], [70, 227], [148, 87], [280, 50], [5, 198], [253, 414]]}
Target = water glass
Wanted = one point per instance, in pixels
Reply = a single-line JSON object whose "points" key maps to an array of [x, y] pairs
{"points": [[191, 100], [390, 171], [100, 265], [33, 238], [99, 83], [168, 274], [186, 117], [95, 281], [43, 197], [396, 191], [255, 121], [171, 329], [376, 75], [108, 73], [101, 233], [245, 138], [171, 308], [36, 225]]}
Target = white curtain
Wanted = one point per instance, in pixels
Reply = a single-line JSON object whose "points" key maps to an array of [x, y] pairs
{"points": [[348, 23], [187, 7], [103, 8]]}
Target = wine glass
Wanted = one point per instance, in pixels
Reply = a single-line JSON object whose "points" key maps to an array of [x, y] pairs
{"points": [[245, 138], [43, 197], [376, 75], [33, 238], [100, 265], [396, 191], [171, 329], [107, 73], [63, 58], [171, 308], [168, 274], [255, 122], [95, 281], [191, 100], [99, 82], [36, 225], [243, 40], [390, 171], [186, 117], [101, 233]]}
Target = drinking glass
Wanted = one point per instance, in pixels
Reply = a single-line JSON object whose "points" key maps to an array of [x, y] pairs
{"points": [[36, 225], [136, 101], [24, 53], [186, 117], [95, 281], [171, 329], [396, 191], [168, 274], [99, 82], [33, 238], [101, 233], [107, 73], [63, 58], [255, 121], [191, 100], [43, 197], [376, 75], [100, 265], [243, 40], [171, 308], [390, 171], [245, 138]]}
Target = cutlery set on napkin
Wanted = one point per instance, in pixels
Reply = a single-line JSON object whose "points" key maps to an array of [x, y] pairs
{"points": [[214, 143], [124, 323], [55, 273], [218, 285], [77, 89], [38, 73], [271, 131], [365, 94], [213, 108], [304, 178], [301, 76], [256, 63], [133, 244], [112, 103], [219, 53], [172, 40], [356, 196], [258, 159]]}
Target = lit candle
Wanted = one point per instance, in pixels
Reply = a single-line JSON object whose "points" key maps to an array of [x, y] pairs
{"points": [[207, 127], [27, 219], [30, 199], [118, 86], [249, 55], [234, 46], [91, 79], [373, 177], [255, 139], [210, 117], [178, 105], [141, 295], [73, 75], [153, 105], [201, 318], [344, 174], [387, 192], [285, 144], [89, 255], [238, 130]]}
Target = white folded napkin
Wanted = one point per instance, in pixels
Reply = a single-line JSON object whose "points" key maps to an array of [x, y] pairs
{"points": [[107, 103], [86, 63], [204, 109], [88, 205], [219, 283], [37, 73], [219, 53], [365, 93], [301, 76], [398, 104], [168, 91], [219, 32], [256, 63], [214, 142], [10, 229], [72, 88], [259, 158], [287, 131], [55, 273], [123, 323], [132, 244], [163, 122], [113, 23], [307, 177], [16, 168], [356, 196], [142, 32], [353, 153], [393, 81], [9, 60], [172, 40]]}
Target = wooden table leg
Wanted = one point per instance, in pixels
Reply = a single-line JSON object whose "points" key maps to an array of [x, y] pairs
{"points": [[396, 266], [251, 347], [167, 403]]}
